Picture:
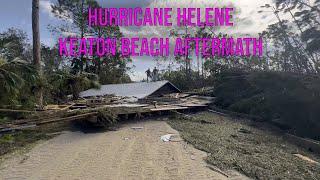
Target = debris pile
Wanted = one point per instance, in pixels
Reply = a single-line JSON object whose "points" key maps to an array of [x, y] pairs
{"points": [[106, 110]]}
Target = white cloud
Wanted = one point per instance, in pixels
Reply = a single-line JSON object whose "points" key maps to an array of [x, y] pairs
{"points": [[69, 34], [249, 11], [160, 31], [138, 76], [45, 7], [49, 41], [247, 18]]}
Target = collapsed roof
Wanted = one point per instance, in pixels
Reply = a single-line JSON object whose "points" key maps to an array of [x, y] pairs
{"points": [[139, 90]]}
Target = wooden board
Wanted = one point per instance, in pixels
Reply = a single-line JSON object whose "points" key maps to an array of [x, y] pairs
{"points": [[168, 108], [193, 105]]}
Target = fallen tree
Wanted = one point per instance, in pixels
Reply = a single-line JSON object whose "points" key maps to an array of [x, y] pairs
{"points": [[292, 99]]}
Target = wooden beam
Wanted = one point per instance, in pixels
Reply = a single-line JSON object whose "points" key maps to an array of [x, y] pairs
{"points": [[16, 111], [71, 118]]}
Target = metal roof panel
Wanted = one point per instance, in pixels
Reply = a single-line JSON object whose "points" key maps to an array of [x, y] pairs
{"points": [[139, 90]]}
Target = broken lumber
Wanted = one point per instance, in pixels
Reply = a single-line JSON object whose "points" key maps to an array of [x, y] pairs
{"points": [[16, 111], [305, 158], [16, 128], [217, 112], [71, 118], [217, 170]]}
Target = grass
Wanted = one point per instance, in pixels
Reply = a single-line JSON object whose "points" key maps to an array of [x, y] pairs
{"points": [[22, 139], [254, 149]]}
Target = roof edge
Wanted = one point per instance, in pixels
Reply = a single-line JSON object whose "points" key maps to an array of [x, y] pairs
{"points": [[166, 81]]}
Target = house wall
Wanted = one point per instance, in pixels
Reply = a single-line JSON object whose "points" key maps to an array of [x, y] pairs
{"points": [[166, 89]]}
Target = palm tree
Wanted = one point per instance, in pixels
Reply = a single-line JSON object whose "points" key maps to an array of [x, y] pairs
{"points": [[13, 76], [66, 82], [36, 46]]}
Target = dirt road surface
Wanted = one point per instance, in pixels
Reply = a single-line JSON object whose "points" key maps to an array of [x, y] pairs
{"points": [[123, 154]]}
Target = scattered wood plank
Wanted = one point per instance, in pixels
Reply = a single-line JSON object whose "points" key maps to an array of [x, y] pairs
{"points": [[17, 128], [217, 170], [31, 124], [193, 105], [306, 159], [59, 107], [71, 118], [168, 108], [217, 112], [79, 107], [16, 111], [80, 110]]}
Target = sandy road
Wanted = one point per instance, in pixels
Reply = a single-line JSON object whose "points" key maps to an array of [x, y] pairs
{"points": [[122, 154]]}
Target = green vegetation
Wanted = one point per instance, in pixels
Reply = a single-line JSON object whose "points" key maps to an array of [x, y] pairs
{"points": [[23, 81], [293, 99], [283, 85], [254, 149], [23, 139], [15, 75], [28, 81]]}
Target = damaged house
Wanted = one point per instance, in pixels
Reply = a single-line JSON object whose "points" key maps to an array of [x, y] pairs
{"points": [[138, 90], [160, 95]]}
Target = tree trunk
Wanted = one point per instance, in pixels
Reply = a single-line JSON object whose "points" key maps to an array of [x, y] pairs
{"points": [[36, 47]]}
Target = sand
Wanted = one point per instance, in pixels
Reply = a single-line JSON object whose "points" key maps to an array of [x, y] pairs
{"points": [[123, 154]]}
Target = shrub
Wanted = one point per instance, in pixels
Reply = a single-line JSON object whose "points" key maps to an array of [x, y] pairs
{"points": [[295, 99]]}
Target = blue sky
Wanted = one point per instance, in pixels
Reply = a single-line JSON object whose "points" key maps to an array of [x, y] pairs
{"points": [[17, 13]]}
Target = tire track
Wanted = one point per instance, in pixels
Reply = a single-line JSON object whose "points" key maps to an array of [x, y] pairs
{"points": [[124, 154]]}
